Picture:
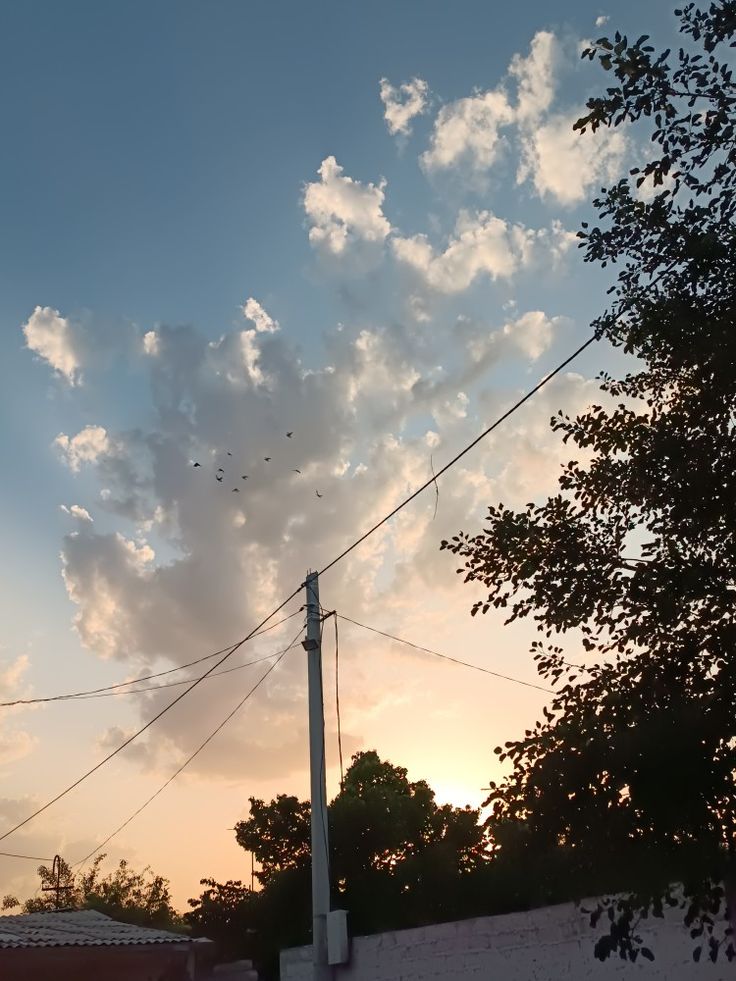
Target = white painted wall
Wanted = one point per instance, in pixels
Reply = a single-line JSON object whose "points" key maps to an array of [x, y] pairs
{"points": [[547, 944]]}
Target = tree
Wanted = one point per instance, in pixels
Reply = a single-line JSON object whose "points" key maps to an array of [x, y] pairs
{"points": [[278, 834], [124, 894], [630, 776], [398, 859], [225, 913]]}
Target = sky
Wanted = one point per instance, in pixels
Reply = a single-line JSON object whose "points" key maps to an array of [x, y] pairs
{"points": [[222, 222]]}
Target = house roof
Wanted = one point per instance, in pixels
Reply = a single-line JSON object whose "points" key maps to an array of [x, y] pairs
{"points": [[77, 928]]}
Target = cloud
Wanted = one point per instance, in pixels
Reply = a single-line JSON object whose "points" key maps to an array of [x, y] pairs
{"points": [[101, 573], [560, 163], [402, 103], [343, 211], [15, 744], [220, 568], [482, 244], [602, 20], [564, 164], [227, 559], [530, 335], [252, 357], [468, 132], [77, 511], [535, 77], [145, 754], [87, 446], [533, 332], [187, 566], [418, 309], [151, 343], [11, 675], [254, 312], [647, 191], [52, 337]]}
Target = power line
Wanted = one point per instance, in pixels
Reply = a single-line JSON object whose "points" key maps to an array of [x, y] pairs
{"points": [[433, 479], [148, 724], [83, 697], [113, 689], [178, 684], [446, 657], [337, 699], [229, 652], [197, 751], [30, 858]]}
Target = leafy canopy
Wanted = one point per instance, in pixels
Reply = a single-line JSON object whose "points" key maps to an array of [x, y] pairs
{"points": [[630, 774], [124, 894], [397, 859]]}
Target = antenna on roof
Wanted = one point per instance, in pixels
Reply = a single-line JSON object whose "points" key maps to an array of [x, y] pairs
{"points": [[57, 886]]}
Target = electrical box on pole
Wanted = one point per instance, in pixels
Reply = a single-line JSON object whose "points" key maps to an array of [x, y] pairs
{"points": [[318, 783], [338, 944]]}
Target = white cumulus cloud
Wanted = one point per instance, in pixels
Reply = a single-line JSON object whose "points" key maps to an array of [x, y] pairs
{"points": [[532, 333], [77, 511], [402, 103], [51, 337], [535, 76], [225, 559], [482, 243], [14, 743], [601, 20], [264, 323], [564, 164], [87, 446], [252, 357], [517, 114], [342, 210], [151, 343], [11, 674], [468, 131]]}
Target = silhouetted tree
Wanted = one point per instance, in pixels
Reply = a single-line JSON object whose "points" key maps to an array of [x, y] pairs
{"points": [[124, 894], [629, 779], [397, 859], [225, 912]]}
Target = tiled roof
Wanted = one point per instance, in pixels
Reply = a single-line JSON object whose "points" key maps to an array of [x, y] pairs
{"points": [[77, 928]]}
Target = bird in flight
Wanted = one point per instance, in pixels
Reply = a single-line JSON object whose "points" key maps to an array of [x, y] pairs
{"points": [[296, 471], [318, 494], [289, 435], [267, 459], [220, 470], [218, 478], [244, 477], [236, 490], [196, 464], [229, 453]]}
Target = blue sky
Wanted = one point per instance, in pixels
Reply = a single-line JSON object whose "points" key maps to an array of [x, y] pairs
{"points": [[160, 169]]}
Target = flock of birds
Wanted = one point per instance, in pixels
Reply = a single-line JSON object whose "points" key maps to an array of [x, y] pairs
{"points": [[220, 472]]}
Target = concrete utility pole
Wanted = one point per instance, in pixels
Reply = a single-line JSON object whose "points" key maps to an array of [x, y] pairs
{"points": [[320, 847]]}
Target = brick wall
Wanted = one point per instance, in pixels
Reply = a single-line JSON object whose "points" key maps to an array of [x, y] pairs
{"points": [[546, 944]]}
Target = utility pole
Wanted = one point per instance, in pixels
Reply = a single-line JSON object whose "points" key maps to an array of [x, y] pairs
{"points": [[320, 847]]}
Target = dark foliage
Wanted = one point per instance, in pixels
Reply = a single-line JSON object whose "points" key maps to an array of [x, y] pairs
{"points": [[629, 779], [124, 894], [398, 859]]}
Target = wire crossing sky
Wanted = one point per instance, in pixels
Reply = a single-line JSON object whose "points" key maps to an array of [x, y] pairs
{"points": [[261, 627], [266, 270]]}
